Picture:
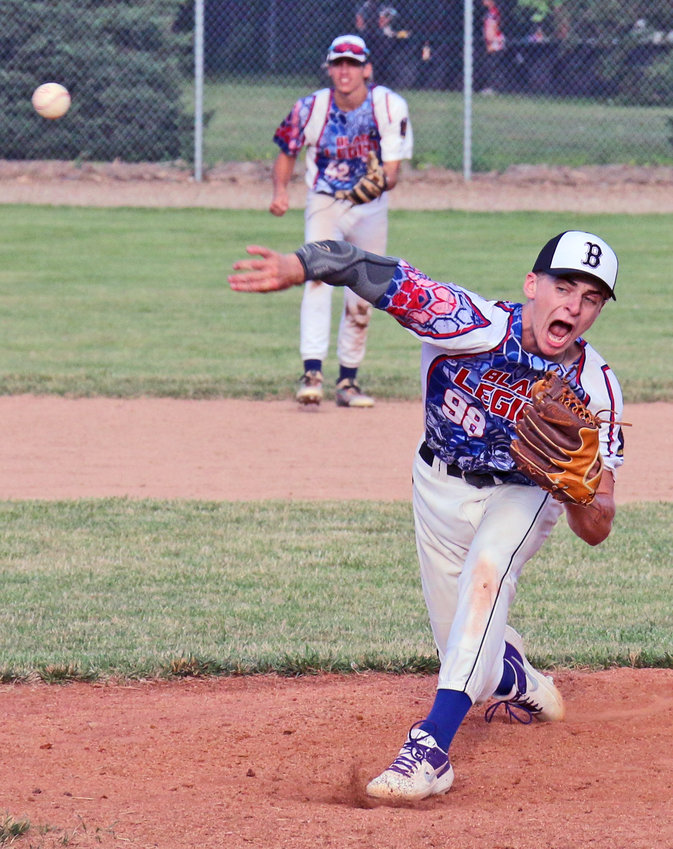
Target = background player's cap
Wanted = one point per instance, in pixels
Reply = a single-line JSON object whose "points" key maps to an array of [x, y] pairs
{"points": [[348, 47], [575, 251]]}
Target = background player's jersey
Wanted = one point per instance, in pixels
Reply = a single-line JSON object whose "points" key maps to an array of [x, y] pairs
{"points": [[477, 377], [337, 142]]}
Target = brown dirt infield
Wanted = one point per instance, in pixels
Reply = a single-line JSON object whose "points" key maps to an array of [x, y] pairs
{"points": [[267, 762], [236, 185], [57, 448]]}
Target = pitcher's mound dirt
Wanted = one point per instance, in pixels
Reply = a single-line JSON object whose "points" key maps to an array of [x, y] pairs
{"points": [[268, 762]]}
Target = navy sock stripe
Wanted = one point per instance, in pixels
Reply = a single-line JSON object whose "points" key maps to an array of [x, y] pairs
{"points": [[507, 681], [347, 373]]}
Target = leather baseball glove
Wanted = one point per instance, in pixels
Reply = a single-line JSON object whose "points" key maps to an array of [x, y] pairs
{"points": [[557, 442], [370, 186]]}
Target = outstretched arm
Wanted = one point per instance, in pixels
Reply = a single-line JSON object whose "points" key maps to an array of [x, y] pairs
{"points": [[336, 263], [272, 273]]}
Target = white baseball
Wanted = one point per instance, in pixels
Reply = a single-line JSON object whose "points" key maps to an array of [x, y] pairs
{"points": [[51, 100]]}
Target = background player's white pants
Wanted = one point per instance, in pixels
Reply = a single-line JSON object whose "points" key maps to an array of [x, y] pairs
{"points": [[365, 226], [472, 545]]}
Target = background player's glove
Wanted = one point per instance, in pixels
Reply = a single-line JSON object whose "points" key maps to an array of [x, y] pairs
{"points": [[557, 444], [370, 186]]}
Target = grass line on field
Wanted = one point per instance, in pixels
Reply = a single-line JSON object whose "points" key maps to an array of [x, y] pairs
{"points": [[119, 588], [12, 828]]}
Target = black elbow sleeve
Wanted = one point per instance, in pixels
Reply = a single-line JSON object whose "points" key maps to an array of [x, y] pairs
{"points": [[343, 264]]}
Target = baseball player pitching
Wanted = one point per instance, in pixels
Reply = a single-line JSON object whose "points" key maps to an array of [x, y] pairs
{"points": [[521, 424], [356, 136]]}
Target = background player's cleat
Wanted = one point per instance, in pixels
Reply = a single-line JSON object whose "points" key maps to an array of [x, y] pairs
{"points": [[310, 388], [349, 394], [420, 770], [534, 692]]}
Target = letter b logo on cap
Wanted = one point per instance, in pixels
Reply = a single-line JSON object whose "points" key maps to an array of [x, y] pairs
{"points": [[593, 255]]}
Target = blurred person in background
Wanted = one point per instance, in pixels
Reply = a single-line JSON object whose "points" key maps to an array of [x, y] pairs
{"points": [[494, 44]]}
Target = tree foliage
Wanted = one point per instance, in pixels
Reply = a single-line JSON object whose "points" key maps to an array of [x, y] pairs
{"points": [[119, 60], [604, 20]]}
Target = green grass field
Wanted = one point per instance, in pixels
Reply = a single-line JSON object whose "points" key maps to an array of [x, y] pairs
{"points": [[507, 129], [114, 587], [134, 302]]}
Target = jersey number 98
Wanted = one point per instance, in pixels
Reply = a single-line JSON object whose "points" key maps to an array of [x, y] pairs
{"points": [[467, 416]]}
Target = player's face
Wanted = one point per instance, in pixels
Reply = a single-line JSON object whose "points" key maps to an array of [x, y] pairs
{"points": [[557, 312], [349, 76]]}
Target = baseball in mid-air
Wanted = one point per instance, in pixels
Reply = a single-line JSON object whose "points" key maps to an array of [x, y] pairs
{"points": [[51, 100]]}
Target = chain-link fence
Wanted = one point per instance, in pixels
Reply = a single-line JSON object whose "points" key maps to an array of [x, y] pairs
{"points": [[565, 82]]}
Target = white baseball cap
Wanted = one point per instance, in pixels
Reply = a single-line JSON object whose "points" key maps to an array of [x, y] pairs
{"points": [[575, 251], [348, 47]]}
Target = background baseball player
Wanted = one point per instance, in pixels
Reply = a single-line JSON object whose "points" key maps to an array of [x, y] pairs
{"points": [[355, 137], [478, 517]]}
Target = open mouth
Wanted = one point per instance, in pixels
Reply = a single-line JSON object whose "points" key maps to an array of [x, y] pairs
{"points": [[559, 332]]}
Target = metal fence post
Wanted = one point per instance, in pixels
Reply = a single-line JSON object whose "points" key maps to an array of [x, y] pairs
{"points": [[467, 90], [198, 89]]}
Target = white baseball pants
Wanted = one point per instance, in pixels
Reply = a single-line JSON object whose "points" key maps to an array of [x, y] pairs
{"points": [[365, 226], [472, 545]]}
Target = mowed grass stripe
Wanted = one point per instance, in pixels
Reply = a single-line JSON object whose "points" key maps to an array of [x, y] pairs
{"points": [[128, 302]]}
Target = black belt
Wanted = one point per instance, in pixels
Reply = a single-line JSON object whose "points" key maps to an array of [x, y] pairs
{"points": [[478, 479]]}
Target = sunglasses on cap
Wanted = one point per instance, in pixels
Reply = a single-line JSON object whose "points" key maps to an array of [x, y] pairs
{"points": [[348, 47]]}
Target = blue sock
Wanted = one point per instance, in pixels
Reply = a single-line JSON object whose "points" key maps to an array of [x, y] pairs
{"points": [[448, 711], [347, 373], [312, 365]]}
